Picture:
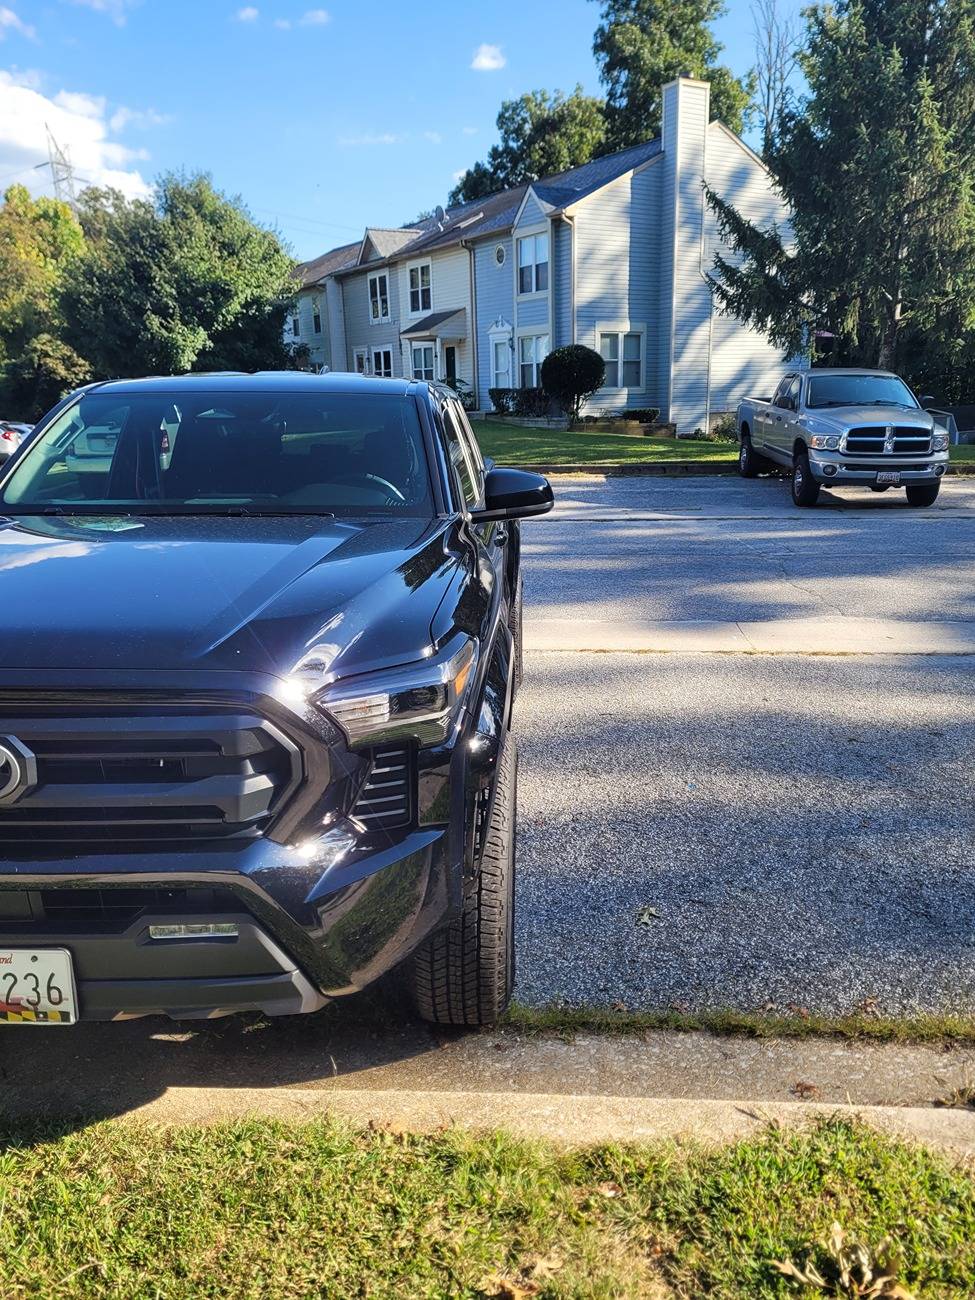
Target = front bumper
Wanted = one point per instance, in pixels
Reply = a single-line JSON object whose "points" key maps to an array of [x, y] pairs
{"points": [[847, 468]]}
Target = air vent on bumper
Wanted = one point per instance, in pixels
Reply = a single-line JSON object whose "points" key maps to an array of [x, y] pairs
{"points": [[386, 799]]}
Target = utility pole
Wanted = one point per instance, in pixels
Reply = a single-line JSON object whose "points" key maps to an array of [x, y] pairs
{"points": [[62, 172]]}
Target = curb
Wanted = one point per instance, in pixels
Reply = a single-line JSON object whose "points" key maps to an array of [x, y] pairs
{"points": [[676, 468], [569, 1120]]}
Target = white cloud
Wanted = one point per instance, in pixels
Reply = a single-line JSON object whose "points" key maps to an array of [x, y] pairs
{"points": [[247, 15], [283, 23], [115, 9], [78, 123], [470, 130], [9, 22], [315, 18], [458, 175], [365, 141], [433, 137], [488, 58], [137, 117]]}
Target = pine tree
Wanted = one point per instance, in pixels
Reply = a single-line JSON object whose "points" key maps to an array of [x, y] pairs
{"points": [[877, 164]]}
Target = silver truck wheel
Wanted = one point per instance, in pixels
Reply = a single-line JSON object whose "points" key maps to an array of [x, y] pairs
{"points": [[805, 489]]}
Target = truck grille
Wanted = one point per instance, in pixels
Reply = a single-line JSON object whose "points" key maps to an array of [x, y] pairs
{"points": [[386, 799], [868, 440], [142, 775]]}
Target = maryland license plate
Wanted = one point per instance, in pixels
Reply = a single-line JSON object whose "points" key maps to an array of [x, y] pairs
{"points": [[37, 987], [889, 476]]}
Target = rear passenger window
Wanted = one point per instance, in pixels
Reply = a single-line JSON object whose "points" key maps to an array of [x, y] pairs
{"points": [[460, 457]]}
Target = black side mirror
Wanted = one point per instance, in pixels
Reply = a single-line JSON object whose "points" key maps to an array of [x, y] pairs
{"points": [[929, 400], [514, 494]]}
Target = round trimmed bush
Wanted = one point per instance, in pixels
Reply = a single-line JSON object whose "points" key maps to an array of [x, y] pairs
{"points": [[572, 374]]}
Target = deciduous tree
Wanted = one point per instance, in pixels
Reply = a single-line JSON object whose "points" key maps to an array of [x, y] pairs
{"points": [[39, 239]]}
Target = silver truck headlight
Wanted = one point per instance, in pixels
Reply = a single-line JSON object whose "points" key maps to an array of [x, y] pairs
{"points": [[825, 441], [939, 442], [421, 701]]}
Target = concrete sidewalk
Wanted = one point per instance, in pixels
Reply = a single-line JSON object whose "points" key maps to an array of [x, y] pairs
{"points": [[578, 1088], [825, 635]]}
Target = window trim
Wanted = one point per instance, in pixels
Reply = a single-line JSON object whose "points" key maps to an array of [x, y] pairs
{"points": [[422, 378], [531, 333], [356, 354], [316, 315], [532, 232], [418, 267], [381, 372], [621, 328], [380, 319]]}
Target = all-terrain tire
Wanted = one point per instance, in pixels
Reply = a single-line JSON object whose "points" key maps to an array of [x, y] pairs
{"points": [[923, 494], [749, 461], [465, 974], [805, 489]]}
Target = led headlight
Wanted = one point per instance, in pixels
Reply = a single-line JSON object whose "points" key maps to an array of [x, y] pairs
{"points": [[421, 701], [825, 441], [939, 442]]}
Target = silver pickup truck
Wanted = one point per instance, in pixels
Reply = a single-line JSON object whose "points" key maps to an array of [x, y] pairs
{"points": [[861, 427]]}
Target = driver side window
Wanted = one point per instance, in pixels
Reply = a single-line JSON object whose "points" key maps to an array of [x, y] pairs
{"points": [[788, 393], [467, 472]]}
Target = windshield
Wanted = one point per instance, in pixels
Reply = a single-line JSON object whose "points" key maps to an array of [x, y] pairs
{"points": [[859, 390], [227, 453]]}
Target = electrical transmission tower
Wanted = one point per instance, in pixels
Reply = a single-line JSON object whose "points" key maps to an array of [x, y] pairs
{"points": [[62, 172]]}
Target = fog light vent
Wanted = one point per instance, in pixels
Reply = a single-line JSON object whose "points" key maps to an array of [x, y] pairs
{"points": [[830, 470], [195, 930]]}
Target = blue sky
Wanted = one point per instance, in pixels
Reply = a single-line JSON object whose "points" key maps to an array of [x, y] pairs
{"points": [[323, 119]]}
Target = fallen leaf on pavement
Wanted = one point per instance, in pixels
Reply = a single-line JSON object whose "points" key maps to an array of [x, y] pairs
{"points": [[647, 916], [805, 1091]]}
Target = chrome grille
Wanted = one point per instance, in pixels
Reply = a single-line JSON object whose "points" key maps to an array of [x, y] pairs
{"points": [[869, 440], [386, 799]]}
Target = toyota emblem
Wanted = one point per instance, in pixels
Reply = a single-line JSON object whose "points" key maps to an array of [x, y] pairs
{"points": [[18, 769]]}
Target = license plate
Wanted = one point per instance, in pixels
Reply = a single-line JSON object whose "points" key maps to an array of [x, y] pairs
{"points": [[889, 476], [37, 987]]}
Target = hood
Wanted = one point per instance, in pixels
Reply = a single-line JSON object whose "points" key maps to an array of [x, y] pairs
{"points": [[850, 417], [250, 594]]}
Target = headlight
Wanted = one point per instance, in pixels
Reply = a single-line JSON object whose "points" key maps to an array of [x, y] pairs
{"points": [[421, 701], [939, 442], [825, 441]]}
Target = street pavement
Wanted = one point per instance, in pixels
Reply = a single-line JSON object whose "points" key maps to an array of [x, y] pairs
{"points": [[704, 825]]}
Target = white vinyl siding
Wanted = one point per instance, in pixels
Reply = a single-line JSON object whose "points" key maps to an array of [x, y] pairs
{"points": [[532, 351], [379, 298]]}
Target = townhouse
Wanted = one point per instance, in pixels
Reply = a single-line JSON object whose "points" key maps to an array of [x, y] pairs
{"points": [[612, 254]]}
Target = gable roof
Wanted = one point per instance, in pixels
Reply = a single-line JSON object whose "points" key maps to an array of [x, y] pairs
{"points": [[313, 272], [497, 212]]}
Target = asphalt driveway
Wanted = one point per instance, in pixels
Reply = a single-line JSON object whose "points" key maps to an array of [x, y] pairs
{"points": [[741, 828]]}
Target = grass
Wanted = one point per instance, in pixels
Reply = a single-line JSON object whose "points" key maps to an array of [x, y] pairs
{"points": [[268, 1210], [515, 444], [866, 1025]]}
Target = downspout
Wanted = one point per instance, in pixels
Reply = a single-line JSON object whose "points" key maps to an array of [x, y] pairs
{"points": [[571, 223], [707, 399], [464, 243]]}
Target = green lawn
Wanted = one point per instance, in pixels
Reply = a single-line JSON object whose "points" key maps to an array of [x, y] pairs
{"points": [[277, 1211], [515, 444]]}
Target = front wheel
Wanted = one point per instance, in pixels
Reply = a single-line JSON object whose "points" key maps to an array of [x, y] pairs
{"points": [[805, 489], [749, 462], [465, 974], [923, 494]]}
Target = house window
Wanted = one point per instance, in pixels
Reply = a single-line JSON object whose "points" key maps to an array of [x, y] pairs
{"points": [[382, 363], [502, 364], [423, 361], [316, 319], [420, 293], [378, 298], [533, 264], [296, 324], [622, 350], [360, 361], [532, 351]]}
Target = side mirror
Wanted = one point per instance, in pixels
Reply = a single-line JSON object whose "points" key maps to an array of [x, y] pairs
{"points": [[514, 494], [929, 400]]}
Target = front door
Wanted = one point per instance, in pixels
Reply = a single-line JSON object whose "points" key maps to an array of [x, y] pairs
{"points": [[450, 363]]}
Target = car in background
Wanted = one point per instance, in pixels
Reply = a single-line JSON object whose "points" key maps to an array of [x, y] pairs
{"points": [[12, 435], [854, 427], [256, 702]]}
